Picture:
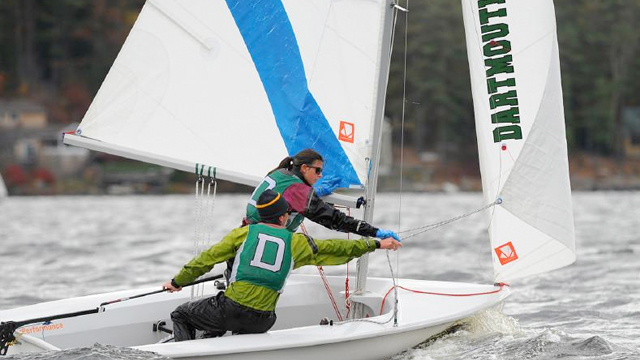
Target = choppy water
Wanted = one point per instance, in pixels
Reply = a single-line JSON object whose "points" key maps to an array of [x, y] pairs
{"points": [[58, 247], [95, 352]]}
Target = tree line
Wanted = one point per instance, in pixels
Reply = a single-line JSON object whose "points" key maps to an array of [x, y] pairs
{"points": [[600, 64], [59, 51]]}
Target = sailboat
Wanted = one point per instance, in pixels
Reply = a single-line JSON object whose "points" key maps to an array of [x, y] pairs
{"points": [[226, 89], [3, 188]]}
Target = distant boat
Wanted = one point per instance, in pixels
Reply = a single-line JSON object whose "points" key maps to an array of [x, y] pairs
{"points": [[3, 188]]}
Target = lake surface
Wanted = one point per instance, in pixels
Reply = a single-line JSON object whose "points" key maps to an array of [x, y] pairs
{"points": [[59, 247]]}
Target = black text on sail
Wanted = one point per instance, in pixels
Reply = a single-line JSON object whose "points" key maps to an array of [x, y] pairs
{"points": [[501, 85]]}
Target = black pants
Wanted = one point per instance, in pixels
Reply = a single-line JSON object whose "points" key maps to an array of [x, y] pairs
{"points": [[217, 315]]}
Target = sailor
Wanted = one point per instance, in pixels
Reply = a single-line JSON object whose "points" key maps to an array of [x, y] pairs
{"points": [[299, 179], [265, 253]]}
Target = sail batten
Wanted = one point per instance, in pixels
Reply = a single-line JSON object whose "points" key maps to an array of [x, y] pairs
{"points": [[181, 17]]}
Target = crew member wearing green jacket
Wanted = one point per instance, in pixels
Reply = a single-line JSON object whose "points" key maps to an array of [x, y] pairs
{"points": [[265, 253]]}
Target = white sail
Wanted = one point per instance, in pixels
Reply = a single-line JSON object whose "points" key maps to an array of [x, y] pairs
{"points": [[204, 84], [237, 85], [515, 75]]}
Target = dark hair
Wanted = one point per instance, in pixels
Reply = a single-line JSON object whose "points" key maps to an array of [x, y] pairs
{"points": [[306, 156]]}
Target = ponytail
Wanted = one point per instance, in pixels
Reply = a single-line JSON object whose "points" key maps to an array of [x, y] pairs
{"points": [[286, 163]]}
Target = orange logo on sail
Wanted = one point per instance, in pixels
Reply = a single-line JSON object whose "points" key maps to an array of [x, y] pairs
{"points": [[506, 253], [347, 131]]}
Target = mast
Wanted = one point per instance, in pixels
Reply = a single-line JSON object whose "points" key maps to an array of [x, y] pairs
{"points": [[372, 180]]}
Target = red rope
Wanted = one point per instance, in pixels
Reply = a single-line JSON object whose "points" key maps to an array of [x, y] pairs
{"points": [[329, 292], [347, 302], [326, 283], [502, 285]]}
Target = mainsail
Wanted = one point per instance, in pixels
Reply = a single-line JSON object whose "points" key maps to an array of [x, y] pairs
{"points": [[515, 76], [232, 87]]}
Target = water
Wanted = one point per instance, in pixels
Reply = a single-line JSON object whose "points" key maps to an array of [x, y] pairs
{"points": [[95, 352], [58, 247]]}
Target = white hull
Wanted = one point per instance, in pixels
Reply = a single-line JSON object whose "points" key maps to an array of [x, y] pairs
{"points": [[295, 334]]}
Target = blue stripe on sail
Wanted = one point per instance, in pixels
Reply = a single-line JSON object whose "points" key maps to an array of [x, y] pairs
{"points": [[269, 36]]}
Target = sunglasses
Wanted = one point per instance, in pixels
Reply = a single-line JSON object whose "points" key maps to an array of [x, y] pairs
{"points": [[318, 169]]}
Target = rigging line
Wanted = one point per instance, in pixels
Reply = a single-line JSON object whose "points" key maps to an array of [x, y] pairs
{"points": [[197, 290], [211, 202], [347, 301], [325, 281], [500, 285], [448, 221], [393, 38], [395, 293], [197, 214], [404, 103], [201, 224], [499, 182], [329, 292], [393, 34], [366, 207], [511, 156], [207, 218], [404, 106], [208, 223], [490, 228], [196, 227], [366, 320]]}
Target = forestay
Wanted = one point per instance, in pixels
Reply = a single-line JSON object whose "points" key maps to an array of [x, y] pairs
{"points": [[515, 76], [237, 86]]}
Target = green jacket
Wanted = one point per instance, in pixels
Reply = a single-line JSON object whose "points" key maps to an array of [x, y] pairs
{"points": [[305, 251]]}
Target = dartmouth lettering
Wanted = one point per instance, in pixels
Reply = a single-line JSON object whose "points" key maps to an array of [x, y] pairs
{"points": [[501, 85]]}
